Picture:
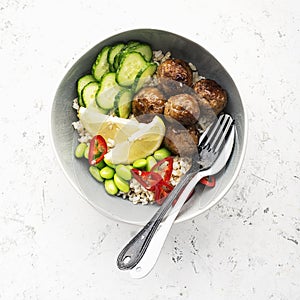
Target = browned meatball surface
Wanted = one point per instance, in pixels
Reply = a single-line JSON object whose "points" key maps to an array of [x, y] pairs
{"points": [[213, 93], [180, 140], [148, 100], [174, 75], [183, 108]]}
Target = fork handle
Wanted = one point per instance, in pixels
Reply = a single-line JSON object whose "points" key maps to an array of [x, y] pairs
{"points": [[135, 249]]}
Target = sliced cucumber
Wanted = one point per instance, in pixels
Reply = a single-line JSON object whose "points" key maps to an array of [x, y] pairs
{"points": [[89, 93], [132, 44], [131, 64], [117, 59], [123, 103], [144, 49], [81, 83], [114, 50], [101, 65], [126, 49], [143, 76], [109, 88]]}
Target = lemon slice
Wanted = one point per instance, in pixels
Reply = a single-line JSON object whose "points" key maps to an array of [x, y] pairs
{"points": [[140, 144], [110, 127], [91, 119]]}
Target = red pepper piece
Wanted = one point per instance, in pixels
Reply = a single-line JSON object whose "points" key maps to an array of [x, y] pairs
{"points": [[147, 179], [164, 168], [157, 180], [162, 190], [209, 181], [98, 148]]}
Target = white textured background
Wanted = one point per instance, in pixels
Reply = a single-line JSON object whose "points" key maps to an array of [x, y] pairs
{"points": [[53, 245]]}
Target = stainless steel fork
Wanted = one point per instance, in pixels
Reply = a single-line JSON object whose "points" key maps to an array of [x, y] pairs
{"points": [[210, 146]]}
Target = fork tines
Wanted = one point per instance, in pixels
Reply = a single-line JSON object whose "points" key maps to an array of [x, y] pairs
{"points": [[217, 133]]}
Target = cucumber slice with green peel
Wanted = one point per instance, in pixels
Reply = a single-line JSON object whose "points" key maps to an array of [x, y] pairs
{"points": [[81, 83], [89, 93], [107, 92], [101, 65], [113, 51], [134, 46], [117, 60], [123, 103], [144, 76], [126, 49], [144, 49], [131, 64], [131, 44]]}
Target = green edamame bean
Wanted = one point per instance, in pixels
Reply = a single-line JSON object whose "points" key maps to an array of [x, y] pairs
{"points": [[121, 184], [109, 163], [86, 152], [100, 165], [96, 173], [140, 163], [151, 161], [107, 172], [110, 187], [161, 153], [79, 151], [123, 172]]}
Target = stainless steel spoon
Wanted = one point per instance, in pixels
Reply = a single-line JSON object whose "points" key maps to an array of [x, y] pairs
{"points": [[151, 255]]}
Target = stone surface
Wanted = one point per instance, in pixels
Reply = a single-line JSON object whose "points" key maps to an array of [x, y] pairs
{"points": [[53, 245]]}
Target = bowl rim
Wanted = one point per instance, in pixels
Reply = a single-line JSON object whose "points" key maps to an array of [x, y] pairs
{"points": [[180, 218]]}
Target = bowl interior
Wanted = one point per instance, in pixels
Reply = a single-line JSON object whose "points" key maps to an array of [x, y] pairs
{"points": [[65, 138]]}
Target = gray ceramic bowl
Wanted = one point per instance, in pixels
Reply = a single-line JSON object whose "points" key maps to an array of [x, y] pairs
{"points": [[65, 138]]}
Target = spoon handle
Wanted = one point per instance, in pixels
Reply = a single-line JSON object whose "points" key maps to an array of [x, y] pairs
{"points": [[135, 249], [151, 254]]}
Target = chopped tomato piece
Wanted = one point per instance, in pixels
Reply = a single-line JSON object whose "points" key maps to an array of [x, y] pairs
{"points": [[98, 148]]}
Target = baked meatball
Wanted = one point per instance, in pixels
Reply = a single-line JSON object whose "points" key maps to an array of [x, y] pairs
{"points": [[183, 108], [148, 102], [181, 140], [213, 93], [174, 75]]}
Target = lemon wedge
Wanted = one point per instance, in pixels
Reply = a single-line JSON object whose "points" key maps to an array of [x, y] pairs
{"points": [[131, 140], [140, 144], [91, 119], [110, 127]]}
